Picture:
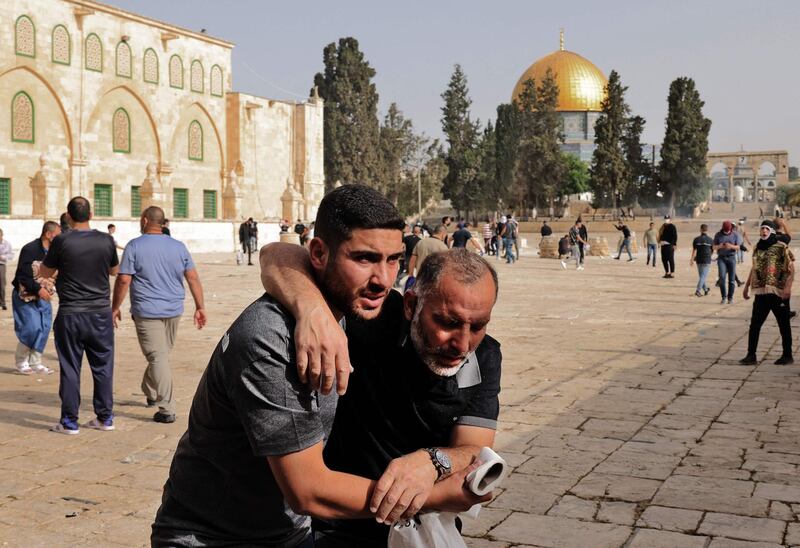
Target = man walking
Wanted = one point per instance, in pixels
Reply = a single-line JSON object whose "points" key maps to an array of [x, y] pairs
{"points": [[244, 239], [626, 240], [771, 282], [651, 243], [84, 259], [701, 254], [462, 237], [584, 232], [510, 238], [30, 303], [668, 239], [574, 239], [153, 267], [6, 254], [726, 244], [425, 247]]}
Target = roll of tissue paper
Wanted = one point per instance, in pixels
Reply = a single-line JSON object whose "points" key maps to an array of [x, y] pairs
{"points": [[489, 474]]}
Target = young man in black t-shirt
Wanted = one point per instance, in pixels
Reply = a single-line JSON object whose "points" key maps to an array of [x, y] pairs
{"points": [[84, 259], [701, 254]]}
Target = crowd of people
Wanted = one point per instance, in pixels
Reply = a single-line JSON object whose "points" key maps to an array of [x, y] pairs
{"points": [[283, 446]]}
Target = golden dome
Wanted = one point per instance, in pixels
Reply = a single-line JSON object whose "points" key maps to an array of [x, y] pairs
{"points": [[581, 85]]}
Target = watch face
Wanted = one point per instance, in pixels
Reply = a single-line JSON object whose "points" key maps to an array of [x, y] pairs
{"points": [[443, 459]]}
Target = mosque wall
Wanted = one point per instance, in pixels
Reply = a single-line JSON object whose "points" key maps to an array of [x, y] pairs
{"points": [[129, 111]]}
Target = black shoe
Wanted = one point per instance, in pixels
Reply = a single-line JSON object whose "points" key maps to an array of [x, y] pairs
{"points": [[739, 283], [706, 290], [750, 359], [5, 307], [665, 276], [792, 314], [150, 403], [164, 418], [784, 360]]}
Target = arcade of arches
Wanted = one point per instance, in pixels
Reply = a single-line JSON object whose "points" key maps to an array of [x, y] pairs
{"points": [[130, 111], [747, 176]]}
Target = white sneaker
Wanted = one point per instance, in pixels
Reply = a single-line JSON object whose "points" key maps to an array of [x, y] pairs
{"points": [[24, 369], [42, 369], [105, 426], [564, 265], [61, 429], [579, 268]]}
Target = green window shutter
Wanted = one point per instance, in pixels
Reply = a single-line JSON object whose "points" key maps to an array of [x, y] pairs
{"points": [[136, 201], [209, 204], [180, 203], [5, 196], [103, 200]]}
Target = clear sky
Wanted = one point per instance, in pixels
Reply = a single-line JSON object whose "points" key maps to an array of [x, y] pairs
{"points": [[742, 54]]}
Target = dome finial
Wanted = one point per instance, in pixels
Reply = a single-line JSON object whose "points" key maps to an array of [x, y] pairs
{"points": [[561, 39]]}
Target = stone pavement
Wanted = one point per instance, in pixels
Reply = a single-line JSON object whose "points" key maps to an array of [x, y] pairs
{"points": [[624, 415]]}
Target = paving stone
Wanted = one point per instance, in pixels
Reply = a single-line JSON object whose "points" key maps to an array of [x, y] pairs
{"points": [[562, 532], [712, 494], [780, 510], [771, 491], [650, 538], [574, 507], [487, 519], [671, 519], [616, 487], [533, 494], [720, 542], [621, 513], [793, 533], [741, 527]]}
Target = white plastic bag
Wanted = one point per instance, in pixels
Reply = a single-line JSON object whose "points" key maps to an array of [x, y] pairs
{"points": [[428, 530]]}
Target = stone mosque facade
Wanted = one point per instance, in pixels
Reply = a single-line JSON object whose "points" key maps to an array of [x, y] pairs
{"points": [[128, 112]]}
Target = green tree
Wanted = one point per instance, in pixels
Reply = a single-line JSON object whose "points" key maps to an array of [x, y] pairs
{"points": [[577, 175], [793, 173], [428, 171], [540, 165], [507, 136], [639, 170], [682, 170], [609, 170], [490, 193], [462, 135], [397, 145], [351, 129]]}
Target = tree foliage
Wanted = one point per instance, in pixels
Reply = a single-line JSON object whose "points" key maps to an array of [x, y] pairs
{"points": [[639, 170], [398, 144], [577, 175], [609, 170], [351, 129], [682, 170], [461, 185], [507, 136]]}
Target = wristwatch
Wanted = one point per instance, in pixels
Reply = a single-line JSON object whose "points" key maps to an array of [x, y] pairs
{"points": [[440, 461]]}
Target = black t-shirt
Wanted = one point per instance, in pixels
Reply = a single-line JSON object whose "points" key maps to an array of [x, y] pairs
{"points": [[394, 405], [626, 232], [30, 252], [250, 404], [410, 242], [461, 237], [702, 244], [546, 230], [82, 258]]}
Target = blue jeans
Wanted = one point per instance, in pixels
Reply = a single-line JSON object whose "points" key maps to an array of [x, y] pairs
{"points": [[626, 244], [727, 275], [651, 250], [702, 271], [508, 243]]}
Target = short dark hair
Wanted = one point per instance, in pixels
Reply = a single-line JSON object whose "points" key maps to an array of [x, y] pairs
{"points": [[703, 227], [155, 215], [111, 225], [49, 226], [79, 209], [352, 207]]}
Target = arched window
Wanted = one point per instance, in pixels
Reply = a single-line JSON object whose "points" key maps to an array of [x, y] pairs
{"points": [[93, 53], [150, 69], [196, 76], [195, 141], [216, 81], [22, 118], [176, 72], [123, 60], [121, 131], [25, 36], [62, 45]]}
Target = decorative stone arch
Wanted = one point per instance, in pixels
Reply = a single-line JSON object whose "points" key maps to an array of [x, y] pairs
{"points": [[150, 69], [59, 39], [25, 36], [753, 159], [121, 131], [94, 42], [123, 60], [22, 98], [147, 110], [56, 95], [176, 71], [195, 141], [197, 77], [216, 81]]}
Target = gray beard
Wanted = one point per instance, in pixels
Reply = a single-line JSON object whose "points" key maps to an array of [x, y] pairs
{"points": [[418, 340]]}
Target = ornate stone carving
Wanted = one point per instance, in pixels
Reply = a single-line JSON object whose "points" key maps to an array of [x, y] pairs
{"points": [[26, 37], [123, 60], [94, 53], [196, 77], [22, 115], [175, 72], [150, 66], [195, 140], [216, 81], [231, 197], [150, 191], [121, 131], [293, 202], [45, 189], [62, 48]]}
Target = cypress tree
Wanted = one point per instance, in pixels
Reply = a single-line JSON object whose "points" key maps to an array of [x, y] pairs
{"points": [[609, 170], [682, 170], [351, 129]]}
